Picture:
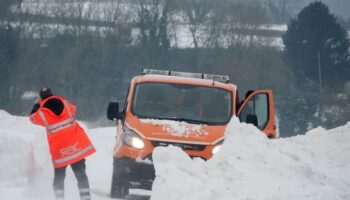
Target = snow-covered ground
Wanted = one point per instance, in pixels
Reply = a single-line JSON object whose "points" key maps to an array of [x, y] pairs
{"points": [[248, 166]]}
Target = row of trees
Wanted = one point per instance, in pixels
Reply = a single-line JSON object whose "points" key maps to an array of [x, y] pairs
{"points": [[67, 39]]}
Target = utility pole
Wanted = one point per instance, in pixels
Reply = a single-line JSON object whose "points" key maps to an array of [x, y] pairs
{"points": [[319, 70], [319, 107]]}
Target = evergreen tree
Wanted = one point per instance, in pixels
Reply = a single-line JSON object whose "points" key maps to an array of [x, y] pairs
{"points": [[315, 35]]}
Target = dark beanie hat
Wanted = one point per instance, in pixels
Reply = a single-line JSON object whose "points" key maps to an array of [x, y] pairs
{"points": [[45, 92]]}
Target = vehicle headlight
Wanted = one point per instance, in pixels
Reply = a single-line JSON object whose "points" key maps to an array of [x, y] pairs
{"points": [[216, 149], [132, 139]]}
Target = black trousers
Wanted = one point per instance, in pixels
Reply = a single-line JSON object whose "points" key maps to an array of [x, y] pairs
{"points": [[79, 170]]}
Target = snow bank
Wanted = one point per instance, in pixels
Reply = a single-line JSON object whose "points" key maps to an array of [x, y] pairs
{"points": [[26, 171], [24, 158], [250, 166], [19, 141]]}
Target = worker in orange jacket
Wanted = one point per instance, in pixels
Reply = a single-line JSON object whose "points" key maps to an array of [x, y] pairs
{"points": [[68, 142]]}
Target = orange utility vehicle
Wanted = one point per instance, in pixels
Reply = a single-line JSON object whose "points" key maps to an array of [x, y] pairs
{"points": [[187, 110]]}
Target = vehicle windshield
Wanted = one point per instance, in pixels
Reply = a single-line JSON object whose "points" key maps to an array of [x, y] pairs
{"points": [[190, 103]]}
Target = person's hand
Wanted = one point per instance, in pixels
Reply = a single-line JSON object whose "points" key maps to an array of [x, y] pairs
{"points": [[37, 100]]}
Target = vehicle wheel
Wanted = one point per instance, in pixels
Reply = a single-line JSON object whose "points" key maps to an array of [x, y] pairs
{"points": [[119, 186]]}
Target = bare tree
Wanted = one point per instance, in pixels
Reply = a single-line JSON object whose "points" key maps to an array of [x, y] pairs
{"points": [[243, 20], [196, 16], [215, 27], [152, 22]]}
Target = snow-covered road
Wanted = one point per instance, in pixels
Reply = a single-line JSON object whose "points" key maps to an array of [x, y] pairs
{"points": [[249, 166], [26, 172]]}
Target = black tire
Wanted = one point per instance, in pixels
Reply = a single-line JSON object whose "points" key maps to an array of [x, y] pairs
{"points": [[119, 186]]}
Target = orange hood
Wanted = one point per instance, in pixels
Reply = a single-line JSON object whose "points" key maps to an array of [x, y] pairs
{"points": [[176, 131]]}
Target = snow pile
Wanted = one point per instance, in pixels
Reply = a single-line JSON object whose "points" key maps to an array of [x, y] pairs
{"points": [[19, 141], [250, 166], [26, 171], [25, 160]]}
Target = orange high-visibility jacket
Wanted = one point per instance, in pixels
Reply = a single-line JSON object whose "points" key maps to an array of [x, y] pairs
{"points": [[68, 142]]}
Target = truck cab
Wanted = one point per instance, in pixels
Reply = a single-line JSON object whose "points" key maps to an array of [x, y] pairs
{"points": [[187, 110]]}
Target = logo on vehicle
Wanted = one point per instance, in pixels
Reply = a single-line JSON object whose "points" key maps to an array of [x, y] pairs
{"points": [[185, 130]]}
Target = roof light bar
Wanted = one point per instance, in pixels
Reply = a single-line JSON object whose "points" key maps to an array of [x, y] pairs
{"points": [[220, 78], [186, 74], [155, 71], [214, 77]]}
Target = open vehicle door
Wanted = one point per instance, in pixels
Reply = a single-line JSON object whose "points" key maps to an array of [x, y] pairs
{"points": [[258, 109]]}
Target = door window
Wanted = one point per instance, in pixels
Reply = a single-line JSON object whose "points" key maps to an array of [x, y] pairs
{"points": [[257, 105]]}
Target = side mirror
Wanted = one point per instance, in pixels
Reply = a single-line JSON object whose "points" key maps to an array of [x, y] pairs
{"points": [[252, 119], [113, 111]]}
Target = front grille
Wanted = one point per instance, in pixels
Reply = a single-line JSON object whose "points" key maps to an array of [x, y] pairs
{"points": [[192, 147]]}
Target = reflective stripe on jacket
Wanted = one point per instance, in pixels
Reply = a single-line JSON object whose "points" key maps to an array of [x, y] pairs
{"points": [[67, 141]]}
